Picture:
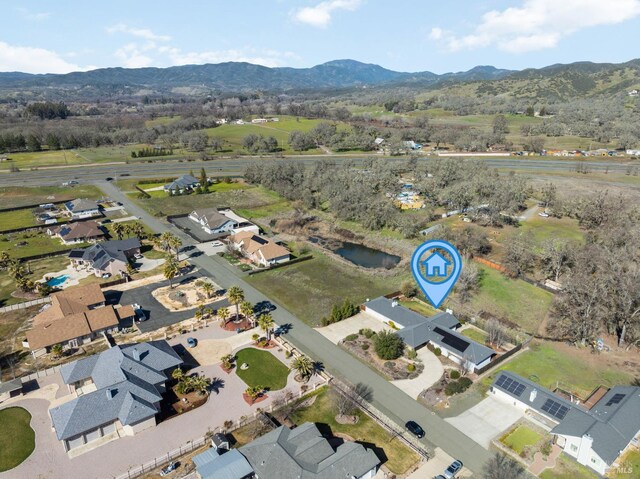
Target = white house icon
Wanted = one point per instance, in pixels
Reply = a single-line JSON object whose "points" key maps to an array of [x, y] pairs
{"points": [[436, 265]]}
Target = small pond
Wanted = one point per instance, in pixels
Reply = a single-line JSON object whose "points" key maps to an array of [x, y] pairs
{"points": [[358, 254]]}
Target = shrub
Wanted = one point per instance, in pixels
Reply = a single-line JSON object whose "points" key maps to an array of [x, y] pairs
{"points": [[408, 289], [367, 333], [465, 383], [546, 448], [411, 353], [456, 387], [255, 336], [411, 367], [437, 351], [340, 312], [454, 374], [351, 337], [365, 346], [388, 345], [392, 325], [287, 354]]}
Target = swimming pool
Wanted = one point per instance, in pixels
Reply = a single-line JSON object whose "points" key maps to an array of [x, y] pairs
{"points": [[57, 281]]}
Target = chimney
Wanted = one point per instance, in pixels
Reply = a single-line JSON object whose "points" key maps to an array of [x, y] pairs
{"points": [[110, 393], [394, 303], [136, 354], [533, 395]]}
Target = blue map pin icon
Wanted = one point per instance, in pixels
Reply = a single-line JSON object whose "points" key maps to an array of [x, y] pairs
{"points": [[436, 266]]}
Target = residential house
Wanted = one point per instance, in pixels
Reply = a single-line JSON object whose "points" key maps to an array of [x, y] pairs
{"points": [[438, 330], [110, 257], [633, 93], [378, 141], [286, 453], [223, 221], [595, 433], [78, 232], [259, 120], [75, 316], [82, 208], [116, 392], [260, 250], [182, 184]]}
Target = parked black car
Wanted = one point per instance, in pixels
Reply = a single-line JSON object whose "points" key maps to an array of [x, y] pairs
{"points": [[415, 429]]}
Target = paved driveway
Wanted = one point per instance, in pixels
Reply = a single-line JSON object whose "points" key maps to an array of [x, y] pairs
{"points": [[432, 372], [436, 465], [336, 332], [486, 420]]}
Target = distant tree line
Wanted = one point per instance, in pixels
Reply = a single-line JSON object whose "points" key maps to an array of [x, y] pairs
{"points": [[48, 110]]}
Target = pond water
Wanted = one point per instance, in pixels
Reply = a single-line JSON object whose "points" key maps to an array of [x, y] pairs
{"points": [[359, 254]]}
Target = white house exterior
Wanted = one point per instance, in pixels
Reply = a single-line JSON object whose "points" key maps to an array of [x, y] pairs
{"points": [[214, 221], [595, 437], [82, 208], [260, 250]]}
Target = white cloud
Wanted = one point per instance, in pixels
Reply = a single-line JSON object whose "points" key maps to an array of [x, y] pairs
{"points": [[33, 60], [145, 33], [133, 55], [268, 58], [33, 16], [538, 24], [320, 15]]}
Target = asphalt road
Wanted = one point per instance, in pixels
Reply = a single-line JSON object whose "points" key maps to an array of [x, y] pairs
{"points": [[386, 397], [231, 167]]}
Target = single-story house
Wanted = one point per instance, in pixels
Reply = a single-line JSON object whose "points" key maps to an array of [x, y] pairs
{"points": [[182, 184], [286, 453], [594, 436], [378, 141], [75, 316], [438, 330], [260, 250], [212, 221], [82, 208], [10, 389], [78, 232], [107, 257], [117, 392]]}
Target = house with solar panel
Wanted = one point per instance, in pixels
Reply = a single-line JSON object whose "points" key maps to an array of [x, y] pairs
{"points": [[439, 330], [595, 432]]}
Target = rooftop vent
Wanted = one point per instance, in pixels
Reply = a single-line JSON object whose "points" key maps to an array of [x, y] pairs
{"points": [[533, 395], [394, 303], [110, 393], [136, 354]]}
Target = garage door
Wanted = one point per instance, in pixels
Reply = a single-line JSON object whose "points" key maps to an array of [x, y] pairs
{"points": [[109, 428], [75, 442], [93, 435]]}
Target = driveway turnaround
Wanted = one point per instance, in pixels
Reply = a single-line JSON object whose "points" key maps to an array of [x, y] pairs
{"points": [[390, 400], [336, 332], [430, 375], [486, 420]]}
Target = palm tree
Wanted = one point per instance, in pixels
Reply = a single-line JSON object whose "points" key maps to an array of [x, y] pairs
{"points": [[137, 230], [265, 321], [118, 229], [246, 308], [208, 289], [168, 242], [4, 259], [177, 374], [171, 269], [56, 350], [223, 314], [199, 312], [236, 296], [304, 366], [200, 384]]}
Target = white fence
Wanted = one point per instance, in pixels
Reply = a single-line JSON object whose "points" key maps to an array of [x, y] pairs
{"points": [[24, 305], [40, 374]]}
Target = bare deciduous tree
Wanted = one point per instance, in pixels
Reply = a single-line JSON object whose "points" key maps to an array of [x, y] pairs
{"points": [[501, 466]]}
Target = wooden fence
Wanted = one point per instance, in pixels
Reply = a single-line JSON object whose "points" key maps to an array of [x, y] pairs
{"points": [[281, 265]]}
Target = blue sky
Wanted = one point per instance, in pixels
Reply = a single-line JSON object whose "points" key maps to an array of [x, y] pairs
{"points": [[407, 35]]}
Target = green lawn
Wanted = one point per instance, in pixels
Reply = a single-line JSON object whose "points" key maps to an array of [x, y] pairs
{"points": [[629, 467], [568, 468], [264, 369], [549, 364], [15, 196], [310, 289], [17, 439], [43, 158], [541, 229], [512, 299], [38, 242], [477, 336], [10, 220], [419, 307], [399, 457], [520, 438]]}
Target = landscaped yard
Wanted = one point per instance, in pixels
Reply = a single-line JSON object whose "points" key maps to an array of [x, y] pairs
{"points": [[399, 457], [419, 307], [476, 335], [17, 439], [551, 365], [31, 243], [310, 289], [541, 229], [38, 268], [264, 369], [520, 438], [567, 468], [629, 466], [10, 220]]}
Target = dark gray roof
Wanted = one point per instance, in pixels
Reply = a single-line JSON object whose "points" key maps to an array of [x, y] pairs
{"points": [[100, 254], [131, 372], [219, 439], [230, 465], [185, 181], [10, 386], [612, 422], [303, 453], [80, 204], [417, 330]]}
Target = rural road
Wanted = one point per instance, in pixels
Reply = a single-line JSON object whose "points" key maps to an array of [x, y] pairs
{"points": [[231, 167], [386, 397]]}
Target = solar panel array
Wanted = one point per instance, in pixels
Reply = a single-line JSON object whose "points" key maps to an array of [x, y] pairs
{"points": [[615, 399], [508, 384], [449, 339], [555, 409]]}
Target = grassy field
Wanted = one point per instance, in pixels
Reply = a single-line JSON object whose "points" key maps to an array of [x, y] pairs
{"points": [[477, 336], [37, 242], [162, 120], [309, 289], [629, 466], [520, 438], [393, 454], [10, 323], [38, 268], [541, 229], [512, 299], [549, 364], [419, 307], [567, 468], [10, 220], [15, 196], [17, 439], [264, 369]]}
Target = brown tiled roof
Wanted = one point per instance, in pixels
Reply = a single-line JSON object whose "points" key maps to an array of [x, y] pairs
{"points": [[71, 301], [125, 312], [101, 318], [81, 229], [272, 250], [242, 235]]}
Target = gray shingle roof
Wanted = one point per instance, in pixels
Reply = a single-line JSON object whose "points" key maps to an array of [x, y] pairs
{"points": [[100, 254], [417, 330], [81, 204], [185, 181], [230, 465], [611, 425], [130, 372]]}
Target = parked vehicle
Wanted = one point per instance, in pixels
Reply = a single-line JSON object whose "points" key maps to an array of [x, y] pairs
{"points": [[415, 429], [106, 275], [453, 470], [140, 314], [192, 342], [70, 183], [172, 466], [108, 178]]}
